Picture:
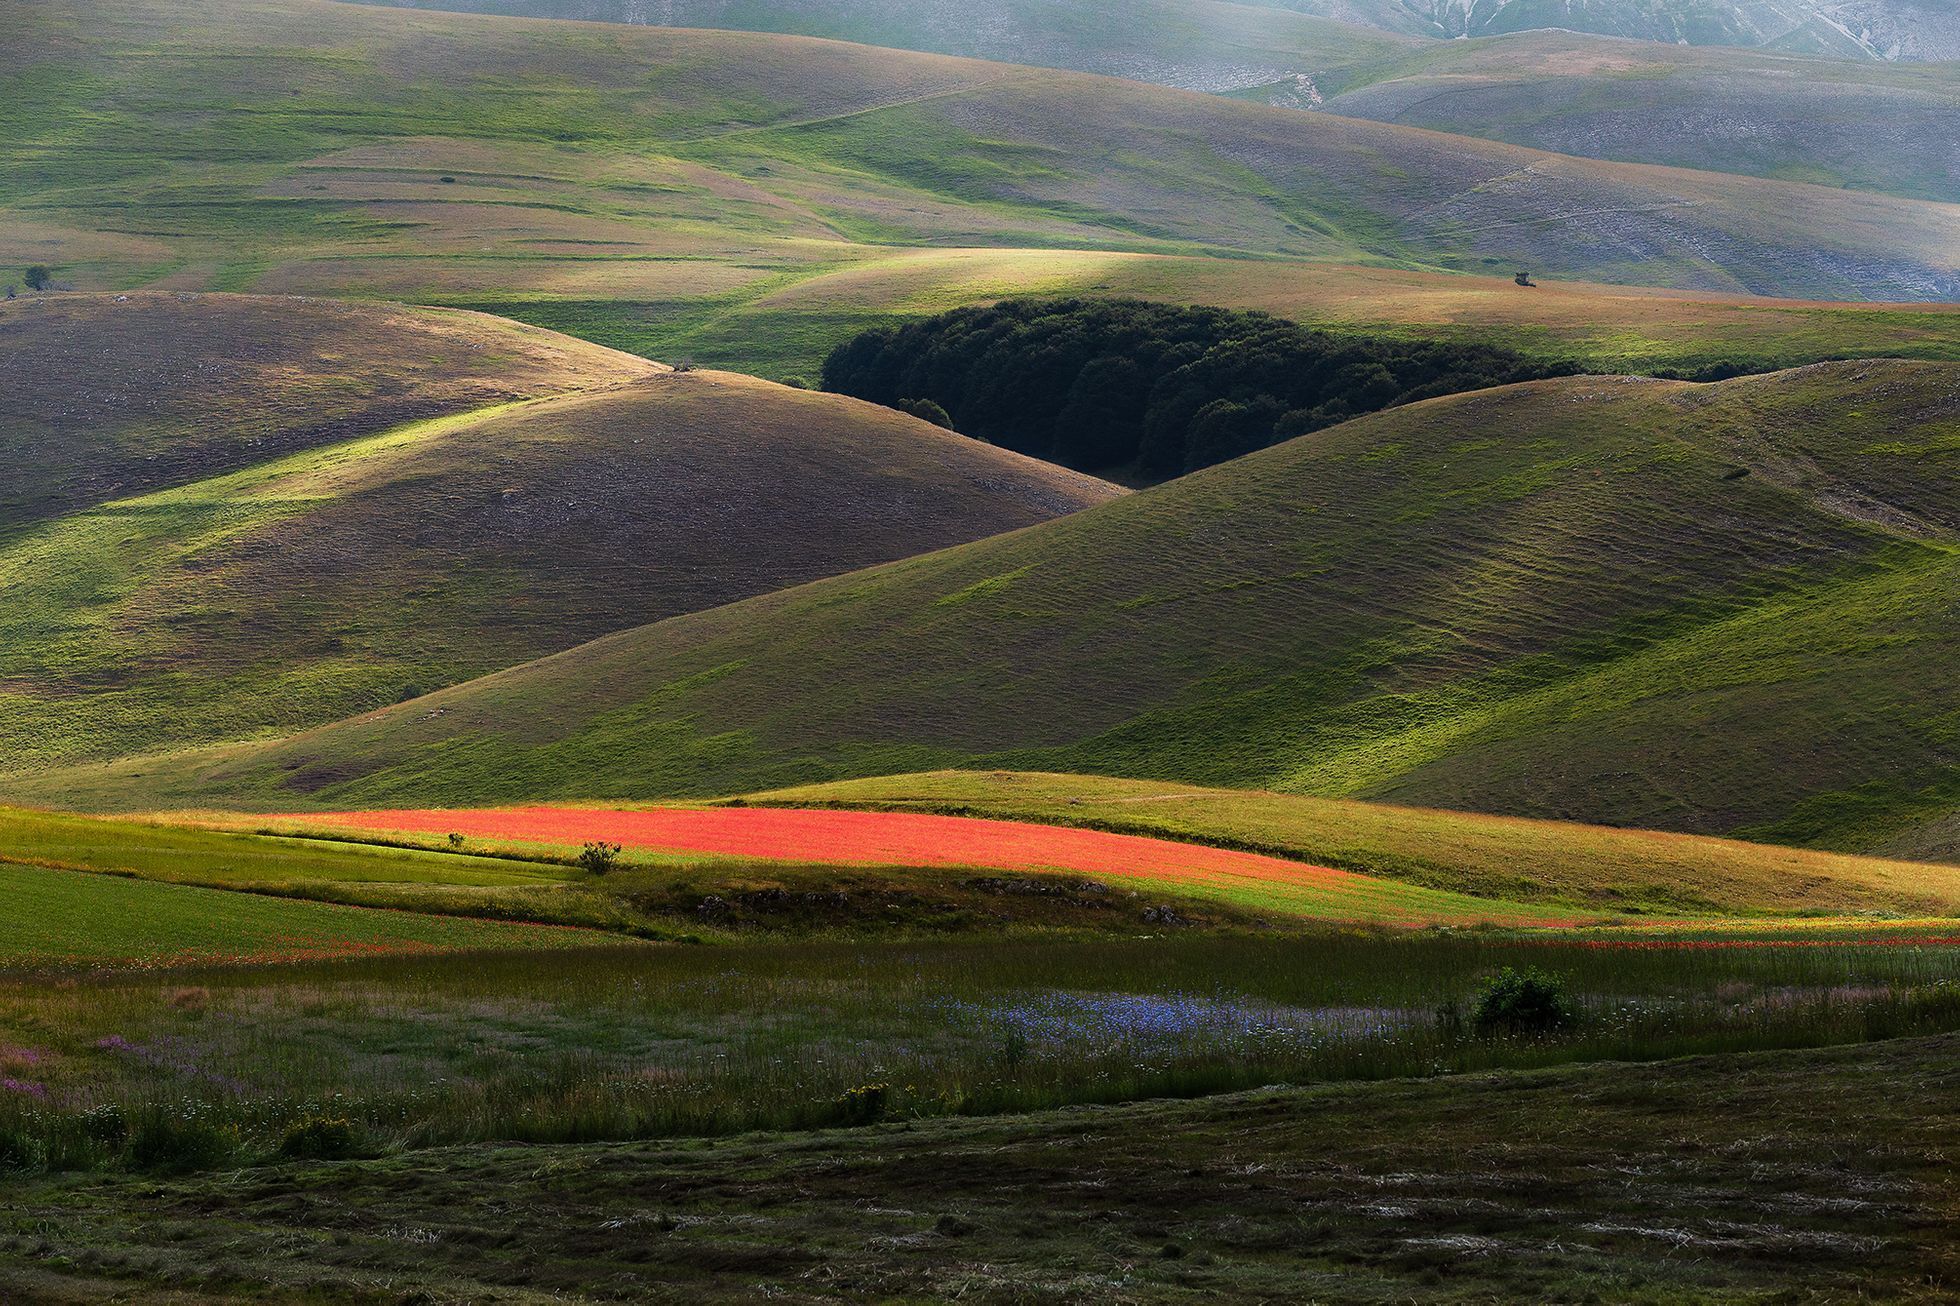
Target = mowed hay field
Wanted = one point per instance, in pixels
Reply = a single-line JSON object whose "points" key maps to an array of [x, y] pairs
{"points": [[109, 397], [307, 585], [1459, 851], [1716, 609], [1293, 890]]}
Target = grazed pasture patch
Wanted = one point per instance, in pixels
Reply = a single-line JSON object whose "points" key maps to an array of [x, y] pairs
{"points": [[932, 841]]}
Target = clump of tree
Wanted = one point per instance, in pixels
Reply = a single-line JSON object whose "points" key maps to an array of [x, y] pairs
{"points": [[1153, 389], [39, 277]]}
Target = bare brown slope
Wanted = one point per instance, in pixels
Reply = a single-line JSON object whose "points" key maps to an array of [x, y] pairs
{"points": [[108, 396]]}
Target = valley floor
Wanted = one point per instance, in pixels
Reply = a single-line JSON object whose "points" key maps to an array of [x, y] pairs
{"points": [[1812, 1175]]}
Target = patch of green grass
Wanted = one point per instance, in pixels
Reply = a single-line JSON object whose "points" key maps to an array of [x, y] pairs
{"points": [[57, 918]]}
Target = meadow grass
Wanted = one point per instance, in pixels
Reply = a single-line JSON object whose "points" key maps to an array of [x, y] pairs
{"points": [[647, 1042], [61, 920]]}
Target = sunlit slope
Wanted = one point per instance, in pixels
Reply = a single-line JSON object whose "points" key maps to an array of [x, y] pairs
{"points": [[111, 396], [295, 144], [1461, 851], [360, 573], [1710, 608]]}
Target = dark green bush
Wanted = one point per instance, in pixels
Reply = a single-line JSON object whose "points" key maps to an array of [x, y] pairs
{"points": [[1527, 1001], [320, 1140], [864, 1104], [167, 1144]]}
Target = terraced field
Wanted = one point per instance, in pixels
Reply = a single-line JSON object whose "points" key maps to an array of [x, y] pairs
{"points": [[1596, 599]]}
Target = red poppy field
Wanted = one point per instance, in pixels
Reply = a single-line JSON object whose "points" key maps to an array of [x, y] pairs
{"points": [[929, 841]]}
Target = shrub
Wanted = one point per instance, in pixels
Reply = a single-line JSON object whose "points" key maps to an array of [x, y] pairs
{"points": [[39, 278], [1527, 1001], [864, 1104], [599, 858], [319, 1140], [926, 411], [168, 1145]]}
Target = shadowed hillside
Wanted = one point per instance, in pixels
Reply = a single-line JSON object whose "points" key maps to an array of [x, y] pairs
{"points": [[358, 573], [108, 397], [441, 154], [1711, 608]]}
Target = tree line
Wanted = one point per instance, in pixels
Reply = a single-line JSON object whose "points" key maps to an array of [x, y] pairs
{"points": [[1153, 389]]}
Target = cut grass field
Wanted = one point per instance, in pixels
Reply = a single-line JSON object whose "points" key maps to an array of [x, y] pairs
{"points": [[1716, 609], [1457, 851], [1292, 891], [64, 919], [292, 588]]}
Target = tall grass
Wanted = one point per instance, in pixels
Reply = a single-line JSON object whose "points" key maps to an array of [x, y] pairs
{"points": [[191, 1070]]}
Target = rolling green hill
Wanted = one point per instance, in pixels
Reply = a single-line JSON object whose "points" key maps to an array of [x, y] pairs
{"points": [[114, 396], [311, 584], [608, 162], [1850, 121], [1723, 608]]}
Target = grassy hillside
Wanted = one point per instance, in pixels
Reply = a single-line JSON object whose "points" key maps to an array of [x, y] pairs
{"points": [[1469, 853], [663, 165], [108, 397], [1868, 29], [1850, 121], [1710, 608], [354, 574], [1876, 126], [1197, 45]]}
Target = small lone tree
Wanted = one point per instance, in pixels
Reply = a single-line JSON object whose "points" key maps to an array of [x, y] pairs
{"points": [[599, 858], [39, 277], [1527, 1001]]}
